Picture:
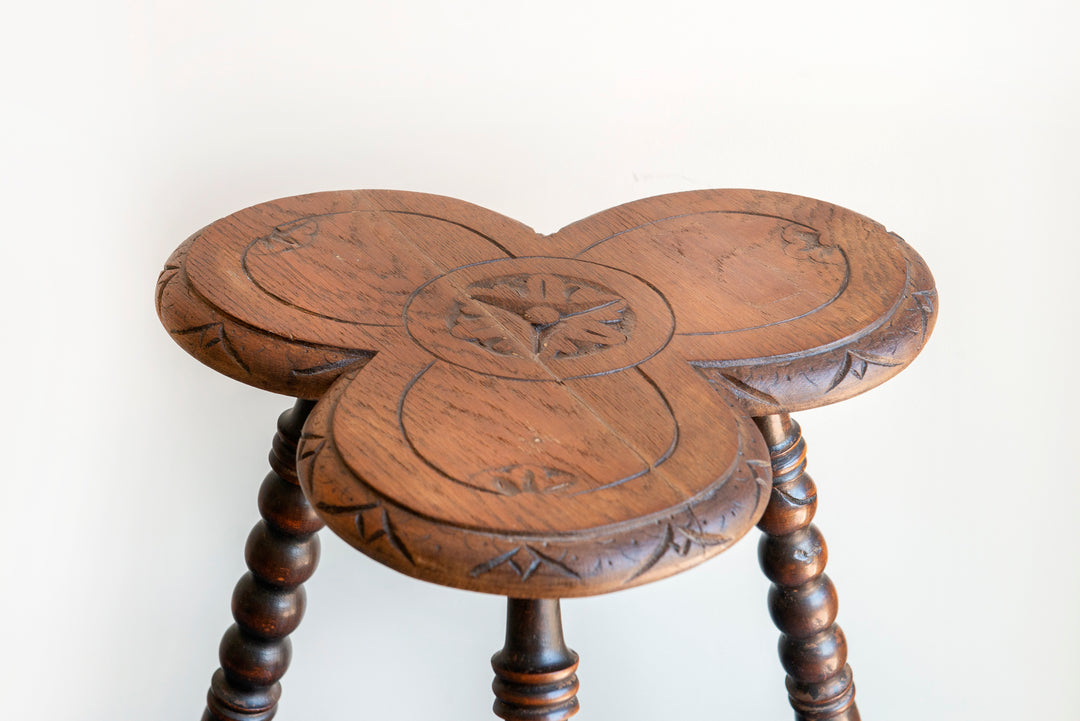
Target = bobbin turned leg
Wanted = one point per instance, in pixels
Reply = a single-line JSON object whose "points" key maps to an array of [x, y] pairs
{"points": [[534, 672], [802, 600], [268, 603]]}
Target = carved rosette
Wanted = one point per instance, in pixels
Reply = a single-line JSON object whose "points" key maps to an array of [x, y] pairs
{"points": [[526, 410], [543, 316], [765, 274], [539, 319]]}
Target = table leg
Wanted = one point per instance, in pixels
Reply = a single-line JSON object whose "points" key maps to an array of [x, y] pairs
{"points": [[268, 603], [535, 677], [802, 600]]}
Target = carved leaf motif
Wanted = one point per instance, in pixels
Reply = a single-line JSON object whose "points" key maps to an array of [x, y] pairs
{"points": [[290, 237], [377, 525], [309, 446], [493, 328], [393, 538], [657, 553], [532, 560], [307, 451], [167, 274], [924, 305], [524, 478], [334, 365], [705, 539], [564, 294], [855, 363], [542, 315], [743, 389], [761, 472], [211, 334], [841, 372], [585, 331], [803, 243], [670, 541]]}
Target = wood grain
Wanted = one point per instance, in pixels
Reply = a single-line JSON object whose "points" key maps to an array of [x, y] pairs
{"points": [[786, 302], [546, 416], [445, 487]]}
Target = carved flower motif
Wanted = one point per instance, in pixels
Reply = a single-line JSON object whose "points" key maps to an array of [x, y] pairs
{"points": [[524, 478], [540, 316], [803, 243]]}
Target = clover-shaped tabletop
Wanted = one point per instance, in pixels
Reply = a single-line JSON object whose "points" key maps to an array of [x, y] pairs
{"points": [[546, 416]]}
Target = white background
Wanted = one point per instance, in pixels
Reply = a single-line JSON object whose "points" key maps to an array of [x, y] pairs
{"points": [[948, 496]]}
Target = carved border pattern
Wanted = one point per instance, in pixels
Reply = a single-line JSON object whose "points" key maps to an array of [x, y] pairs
{"points": [[556, 565], [238, 349], [837, 373], [256, 356], [560, 564]]}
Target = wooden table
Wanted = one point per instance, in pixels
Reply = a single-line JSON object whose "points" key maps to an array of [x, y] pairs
{"points": [[544, 417]]}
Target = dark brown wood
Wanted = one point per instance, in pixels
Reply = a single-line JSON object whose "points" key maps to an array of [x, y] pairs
{"points": [[435, 480], [528, 415], [802, 600], [785, 302], [535, 677], [268, 603], [551, 416]]}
